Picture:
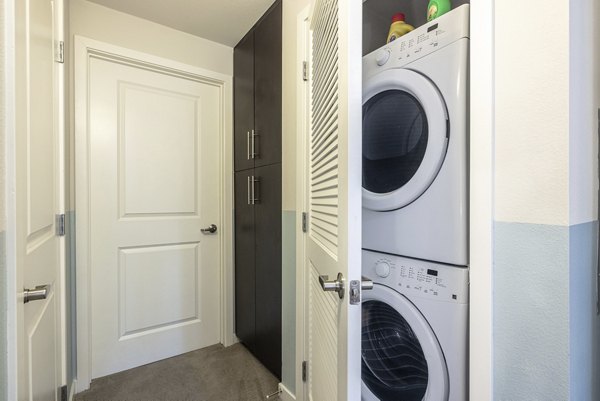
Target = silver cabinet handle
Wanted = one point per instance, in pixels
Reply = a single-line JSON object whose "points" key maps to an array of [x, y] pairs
{"points": [[39, 292], [366, 283], [252, 192], [336, 285], [248, 145], [249, 198], [209, 230], [255, 190], [253, 153]]}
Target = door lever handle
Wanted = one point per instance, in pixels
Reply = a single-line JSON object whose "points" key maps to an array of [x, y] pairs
{"points": [[38, 293], [336, 285], [209, 230]]}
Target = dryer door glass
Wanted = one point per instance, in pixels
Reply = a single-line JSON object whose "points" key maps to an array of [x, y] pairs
{"points": [[393, 363], [395, 135]]}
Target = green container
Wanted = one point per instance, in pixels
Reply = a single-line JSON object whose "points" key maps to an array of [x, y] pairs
{"points": [[437, 8]]}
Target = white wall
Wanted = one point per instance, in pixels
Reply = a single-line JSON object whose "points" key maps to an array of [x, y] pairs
{"points": [[291, 69], [532, 111], [545, 329], [584, 64], [107, 25]]}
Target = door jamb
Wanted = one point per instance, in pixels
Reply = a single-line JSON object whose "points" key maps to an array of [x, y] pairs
{"points": [[9, 133], [84, 49], [302, 91]]}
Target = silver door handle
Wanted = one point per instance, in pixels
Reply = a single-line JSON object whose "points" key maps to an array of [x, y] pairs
{"points": [[209, 230], [336, 285], [39, 292]]}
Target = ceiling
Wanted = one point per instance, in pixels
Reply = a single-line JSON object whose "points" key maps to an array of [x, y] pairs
{"points": [[222, 21]]}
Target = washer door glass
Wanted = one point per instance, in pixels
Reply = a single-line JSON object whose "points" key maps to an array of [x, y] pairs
{"points": [[394, 140], [393, 363], [405, 138], [401, 356]]}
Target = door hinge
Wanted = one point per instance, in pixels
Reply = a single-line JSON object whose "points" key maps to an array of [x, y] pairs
{"points": [[60, 225], [59, 52], [305, 71], [304, 371], [304, 222], [63, 393]]}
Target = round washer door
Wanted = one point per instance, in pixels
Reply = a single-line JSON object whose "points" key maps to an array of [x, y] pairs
{"points": [[405, 138], [401, 356]]}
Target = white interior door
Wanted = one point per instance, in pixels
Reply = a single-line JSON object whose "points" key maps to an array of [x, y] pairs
{"points": [[154, 184], [334, 200], [38, 200]]}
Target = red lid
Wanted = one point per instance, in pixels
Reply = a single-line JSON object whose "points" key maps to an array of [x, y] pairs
{"points": [[398, 17]]}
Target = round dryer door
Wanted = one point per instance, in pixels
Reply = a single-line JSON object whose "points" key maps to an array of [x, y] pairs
{"points": [[405, 138], [401, 356]]}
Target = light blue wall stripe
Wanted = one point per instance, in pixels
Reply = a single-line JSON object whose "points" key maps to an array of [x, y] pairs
{"points": [[70, 286], [583, 319], [3, 320], [288, 278], [531, 312]]}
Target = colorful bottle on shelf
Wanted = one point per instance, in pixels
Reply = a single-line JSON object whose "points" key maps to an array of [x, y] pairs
{"points": [[398, 27], [437, 8]]}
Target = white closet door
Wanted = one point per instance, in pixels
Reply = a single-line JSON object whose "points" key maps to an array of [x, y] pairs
{"points": [[38, 194], [334, 199]]}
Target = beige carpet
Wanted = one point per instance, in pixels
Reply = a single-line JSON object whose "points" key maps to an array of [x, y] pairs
{"points": [[214, 373]]}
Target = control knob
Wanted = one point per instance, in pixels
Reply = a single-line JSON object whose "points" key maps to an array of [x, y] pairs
{"points": [[382, 56], [382, 269]]}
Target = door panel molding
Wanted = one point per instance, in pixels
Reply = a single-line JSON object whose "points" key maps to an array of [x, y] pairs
{"points": [[85, 50]]}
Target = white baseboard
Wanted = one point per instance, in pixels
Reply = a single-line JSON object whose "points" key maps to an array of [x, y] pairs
{"points": [[286, 395]]}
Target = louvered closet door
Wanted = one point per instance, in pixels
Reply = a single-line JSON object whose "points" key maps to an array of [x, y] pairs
{"points": [[334, 198]]}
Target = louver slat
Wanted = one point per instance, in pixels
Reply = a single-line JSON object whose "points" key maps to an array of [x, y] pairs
{"points": [[324, 127]]}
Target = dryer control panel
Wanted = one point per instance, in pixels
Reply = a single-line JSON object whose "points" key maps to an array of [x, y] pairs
{"points": [[424, 40], [417, 277]]}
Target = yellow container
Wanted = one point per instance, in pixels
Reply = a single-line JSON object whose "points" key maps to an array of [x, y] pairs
{"points": [[398, 27]]}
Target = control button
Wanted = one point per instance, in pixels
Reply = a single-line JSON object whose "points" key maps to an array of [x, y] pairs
{"points": [[382, 269], [382, 56]]}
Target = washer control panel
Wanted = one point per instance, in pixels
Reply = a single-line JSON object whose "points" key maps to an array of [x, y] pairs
{"points": [[426, 39], [417, 277]]}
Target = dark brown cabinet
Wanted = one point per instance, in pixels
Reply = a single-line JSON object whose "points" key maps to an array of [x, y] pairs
{"points": [[257, 93], [257, 149]]}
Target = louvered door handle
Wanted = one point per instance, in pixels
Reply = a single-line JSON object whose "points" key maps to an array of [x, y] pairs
{"points": [[336, 285], [36, 294]]}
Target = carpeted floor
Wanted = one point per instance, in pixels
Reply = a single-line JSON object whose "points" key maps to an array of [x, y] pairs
{"points": [[214, 373]]}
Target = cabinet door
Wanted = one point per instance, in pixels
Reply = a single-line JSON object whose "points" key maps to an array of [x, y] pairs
{"points": [[243, 83], [244, 261], [267, 88], [267, 212]]}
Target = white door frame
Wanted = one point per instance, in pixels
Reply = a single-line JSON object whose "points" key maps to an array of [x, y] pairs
{"points": [[302, 126], [84, 50], [481, 201]]}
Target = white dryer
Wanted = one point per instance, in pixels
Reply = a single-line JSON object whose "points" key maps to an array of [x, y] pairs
{"points": [[415, 143], [414, 330]]}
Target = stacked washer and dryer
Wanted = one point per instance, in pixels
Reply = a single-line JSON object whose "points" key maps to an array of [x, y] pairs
{"points": [[415, 214]]}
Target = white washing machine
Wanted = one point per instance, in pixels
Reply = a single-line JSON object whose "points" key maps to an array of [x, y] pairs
{"points": [[414, 330], [415, 143]]}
